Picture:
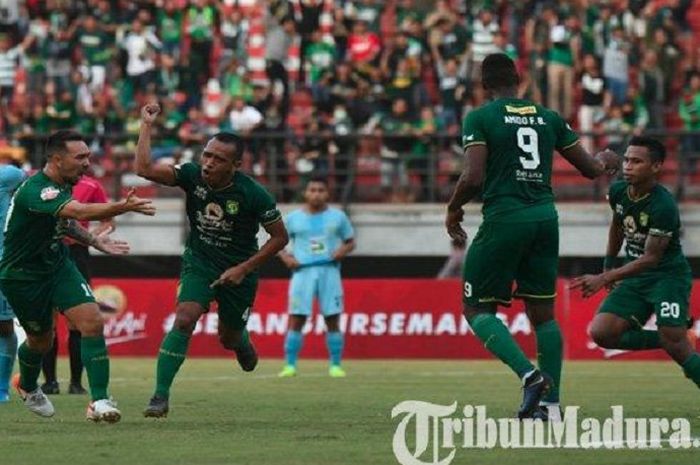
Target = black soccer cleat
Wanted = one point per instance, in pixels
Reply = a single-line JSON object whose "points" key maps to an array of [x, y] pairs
{"points": [[50, 388], [542, 412], [76, 388], [157, 408], [536, 386], [247, 358]]}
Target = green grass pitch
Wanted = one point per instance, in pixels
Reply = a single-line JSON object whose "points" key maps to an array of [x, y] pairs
{"points": [[220, 415]]}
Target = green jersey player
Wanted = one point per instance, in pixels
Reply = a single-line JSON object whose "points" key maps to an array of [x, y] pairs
{"points": [[38, 277], [225, 209], [509, 145], [656, 278]]}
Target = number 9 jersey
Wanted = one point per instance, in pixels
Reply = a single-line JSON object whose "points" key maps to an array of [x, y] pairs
{"points": [[521, 138]]}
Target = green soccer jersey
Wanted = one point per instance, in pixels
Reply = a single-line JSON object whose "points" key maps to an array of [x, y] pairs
{"points": [[33, 230], [521, 138], [655, 214], [224, 223]]}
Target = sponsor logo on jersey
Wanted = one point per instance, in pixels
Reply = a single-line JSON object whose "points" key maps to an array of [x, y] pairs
{"points": [[49, 193], [231, 207], [630, 225], [618, 209], [213, 212], [529, 110]]}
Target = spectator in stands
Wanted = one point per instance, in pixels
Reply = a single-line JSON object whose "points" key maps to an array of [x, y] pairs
{"points": [[424, 128], [594, 100], [9, 59], [96, 48], [484, 29], [364, 47], [367, 11], [617, 129], [393, 129], [234, 35], [278, 40], [318, 60], [689, 111], [616, 65], [169, 21], [563, 59], [244, 118], [200, 21], [652, 88], [668, 57], [453, 90], [635, 111], [141, 46]]}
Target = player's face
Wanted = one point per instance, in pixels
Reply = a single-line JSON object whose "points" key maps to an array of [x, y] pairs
{"points": [[218, 163], [638, 167], [74, 163], [316, 194]]}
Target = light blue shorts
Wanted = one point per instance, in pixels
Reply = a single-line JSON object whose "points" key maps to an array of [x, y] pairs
{"points": [[6, 312], [322, 282]]}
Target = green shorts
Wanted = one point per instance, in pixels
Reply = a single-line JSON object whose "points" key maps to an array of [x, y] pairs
{"points": [[527, 253], [35, 301], [235, 302], [636, 300]]}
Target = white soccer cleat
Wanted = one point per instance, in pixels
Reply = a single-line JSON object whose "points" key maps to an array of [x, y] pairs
{"points": [[36, 401], [103, 410]]}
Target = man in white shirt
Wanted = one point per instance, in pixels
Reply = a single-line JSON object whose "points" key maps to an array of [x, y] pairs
{"points": [[139, 44], [244, 118]]}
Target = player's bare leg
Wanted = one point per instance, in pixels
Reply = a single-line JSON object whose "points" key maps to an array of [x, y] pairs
{"points": [[30, 354], [239, 341], [498, 340], [171, 356], [292, 344], [549, 353], [87, 319], [334, 342], [610, 331], [8, 351]]}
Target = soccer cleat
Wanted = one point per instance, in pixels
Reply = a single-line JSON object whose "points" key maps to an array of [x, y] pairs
{"points": [[103, 410], [36, 401], [247, 357], [546, 413], [50, 388], [288, 371], [4, 396], [157, 408], [336, 372], [535, 386], [76, 389]]}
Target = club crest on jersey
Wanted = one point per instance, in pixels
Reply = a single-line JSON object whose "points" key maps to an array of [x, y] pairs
{"points": [[231, 207], [643, 219], [49, 193], [529, 110]]}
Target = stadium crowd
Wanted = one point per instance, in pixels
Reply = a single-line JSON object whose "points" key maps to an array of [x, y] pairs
{"points": [[402, 71]]}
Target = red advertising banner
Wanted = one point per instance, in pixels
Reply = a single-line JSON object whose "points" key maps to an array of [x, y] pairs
{"points": [[383, 318]]}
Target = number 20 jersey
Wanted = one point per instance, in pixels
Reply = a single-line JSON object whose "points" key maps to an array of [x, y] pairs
{"points": [[521, 137]]}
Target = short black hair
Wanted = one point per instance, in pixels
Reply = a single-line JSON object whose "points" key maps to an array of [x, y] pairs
{"points": [[317, 178], [657, 150], [231, 139], [56, 142], [498, 72]]}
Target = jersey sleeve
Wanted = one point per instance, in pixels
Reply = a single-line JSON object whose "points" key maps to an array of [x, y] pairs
{"points": [[11, 177], [472, 130], [565, 136], [346, 230], [264, 207], [48, 200], [664, 218], [185, 175], [613, 196]]}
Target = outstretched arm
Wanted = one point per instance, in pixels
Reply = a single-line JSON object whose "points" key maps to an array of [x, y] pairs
{"points": [[161, 173], [99, 211], [591, 167], [100, 241]]}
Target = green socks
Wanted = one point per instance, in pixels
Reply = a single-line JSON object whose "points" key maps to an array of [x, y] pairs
{"points": [[93, 352], [549, 355], [245, 340], [691, 368], [639, 339], [170, 357], [29, 367], [499, 342]]}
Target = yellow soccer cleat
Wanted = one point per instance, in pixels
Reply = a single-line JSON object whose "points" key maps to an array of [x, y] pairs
{"points": [[288, 371], [336, 372]]}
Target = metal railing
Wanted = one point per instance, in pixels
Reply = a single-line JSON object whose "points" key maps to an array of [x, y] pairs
{"points": [[370, 168]]}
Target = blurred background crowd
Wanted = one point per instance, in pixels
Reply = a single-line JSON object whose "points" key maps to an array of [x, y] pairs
{"points": [[370, 92]]}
